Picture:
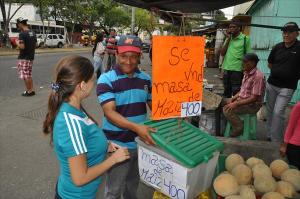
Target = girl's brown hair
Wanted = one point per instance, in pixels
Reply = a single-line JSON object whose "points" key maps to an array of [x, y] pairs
{"points": [[69, 72]]}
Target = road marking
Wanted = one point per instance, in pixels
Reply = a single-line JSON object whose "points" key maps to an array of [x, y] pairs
{"points": [[14, 67]]}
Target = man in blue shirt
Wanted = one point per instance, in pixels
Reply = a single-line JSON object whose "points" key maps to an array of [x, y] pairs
{"points": [[124, 93]]}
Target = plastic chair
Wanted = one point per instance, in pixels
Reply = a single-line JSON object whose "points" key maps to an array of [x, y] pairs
{"points": [[249, 131]]}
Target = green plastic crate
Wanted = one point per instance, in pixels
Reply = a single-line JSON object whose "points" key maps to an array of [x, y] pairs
{"points": [[188, 144]]}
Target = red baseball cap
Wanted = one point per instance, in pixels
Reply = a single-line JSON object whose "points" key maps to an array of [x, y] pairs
{"points": [[129, 43]]}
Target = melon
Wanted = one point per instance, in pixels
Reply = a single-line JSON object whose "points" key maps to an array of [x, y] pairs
{"points": [[272, 195], [278, 167], [251, 162], [265, 184], [242, 173], [225, 172], [226, 185], [261, 170], [286, 189], [234, 197], [233, 160], [292, 176], [246, 192]]}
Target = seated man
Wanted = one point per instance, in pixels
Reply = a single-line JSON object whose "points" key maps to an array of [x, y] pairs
{"points": [[250, 97]]}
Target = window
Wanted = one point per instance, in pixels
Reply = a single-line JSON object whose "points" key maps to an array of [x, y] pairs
{"points": [[54, 37], [49, 36], [52, 30], [60, 36], [36, 29], [61, 31]]}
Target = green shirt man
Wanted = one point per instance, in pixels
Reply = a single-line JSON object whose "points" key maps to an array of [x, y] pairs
{"points": [[237, 48]]}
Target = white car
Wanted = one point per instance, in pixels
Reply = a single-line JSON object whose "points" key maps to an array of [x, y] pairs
{"points": [[53, 40]]}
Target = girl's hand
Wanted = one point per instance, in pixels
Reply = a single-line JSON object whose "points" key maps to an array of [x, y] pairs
{"points": [[120, 155], [112, 147]]}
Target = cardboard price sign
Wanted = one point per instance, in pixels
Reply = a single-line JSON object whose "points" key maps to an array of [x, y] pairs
{"points": [[177, 76]]}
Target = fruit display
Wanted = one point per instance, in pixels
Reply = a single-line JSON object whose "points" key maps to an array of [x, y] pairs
{"points": [[253, 179], [278, 167], [226, 185], [233, 160]]}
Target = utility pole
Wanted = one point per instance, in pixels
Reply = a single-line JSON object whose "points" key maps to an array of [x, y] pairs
{"points": [[132, 20]]}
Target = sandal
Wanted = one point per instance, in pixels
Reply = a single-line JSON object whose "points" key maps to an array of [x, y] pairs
{"points": [[27, 94]]}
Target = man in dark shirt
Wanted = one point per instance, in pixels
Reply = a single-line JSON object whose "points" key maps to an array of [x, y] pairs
{"points": [[284, 62], [26, 44]]}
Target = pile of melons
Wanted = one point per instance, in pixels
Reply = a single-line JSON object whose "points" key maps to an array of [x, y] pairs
{"points": [[247, 179]]}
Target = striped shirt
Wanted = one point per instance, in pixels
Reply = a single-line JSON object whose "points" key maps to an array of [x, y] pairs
{"points": [[130, 95], [74, 134], [253, 84]]}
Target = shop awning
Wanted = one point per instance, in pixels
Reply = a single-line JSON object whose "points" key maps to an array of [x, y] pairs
{"points": [[186, 6]]}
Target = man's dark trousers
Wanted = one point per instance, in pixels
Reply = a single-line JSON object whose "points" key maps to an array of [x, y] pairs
{"points": [[232, 82]]}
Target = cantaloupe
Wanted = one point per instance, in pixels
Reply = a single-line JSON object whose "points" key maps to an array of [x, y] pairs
{"points": [[232, 160], [225, 172], [242, 173], [278, 167], [234, 197], [292, 176], [286, 189], [272, 195], [226, 185], [261, 170], [251, 162], [246, 192], [265, 184]]}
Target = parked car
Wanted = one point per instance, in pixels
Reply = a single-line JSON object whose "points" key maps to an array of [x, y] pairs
{"points": [[53, 40]]}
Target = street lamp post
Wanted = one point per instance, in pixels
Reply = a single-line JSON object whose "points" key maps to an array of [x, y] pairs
{"points": [[132, 20]]}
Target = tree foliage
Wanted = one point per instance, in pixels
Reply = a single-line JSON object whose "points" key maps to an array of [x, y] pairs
{"points": [[145, 21], [7, 15], [90, 14]]}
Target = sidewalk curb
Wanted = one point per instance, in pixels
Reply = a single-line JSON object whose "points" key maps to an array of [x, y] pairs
{"points": [[45, 51]]}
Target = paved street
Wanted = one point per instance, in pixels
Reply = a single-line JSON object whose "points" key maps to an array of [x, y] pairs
{"points": [[28, 166], [42, 72]]}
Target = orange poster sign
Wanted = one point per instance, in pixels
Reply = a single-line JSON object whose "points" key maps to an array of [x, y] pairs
{"points": [[177, 76]]}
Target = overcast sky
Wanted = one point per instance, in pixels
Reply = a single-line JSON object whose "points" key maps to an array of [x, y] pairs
{"points": [[228, 12]]}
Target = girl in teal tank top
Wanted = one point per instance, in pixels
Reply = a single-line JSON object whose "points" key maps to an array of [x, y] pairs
{"points": [[79, 144]]}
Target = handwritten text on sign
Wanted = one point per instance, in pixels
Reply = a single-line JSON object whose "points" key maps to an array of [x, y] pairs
{"points": [[159, 172], [177, 76]]}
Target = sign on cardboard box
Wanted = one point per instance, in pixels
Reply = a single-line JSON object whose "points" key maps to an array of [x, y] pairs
{"points": [[166, 176]]}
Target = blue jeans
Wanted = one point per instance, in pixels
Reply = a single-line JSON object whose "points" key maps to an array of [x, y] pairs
{"points": [[98, 64], [277, 100], [111, 61], [123, 179]]}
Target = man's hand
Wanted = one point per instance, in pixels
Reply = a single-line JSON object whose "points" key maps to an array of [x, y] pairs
{"points": [[20, 44], [227, 34], [144, 132], [230, 106], [282, 149], [228, 101]]}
